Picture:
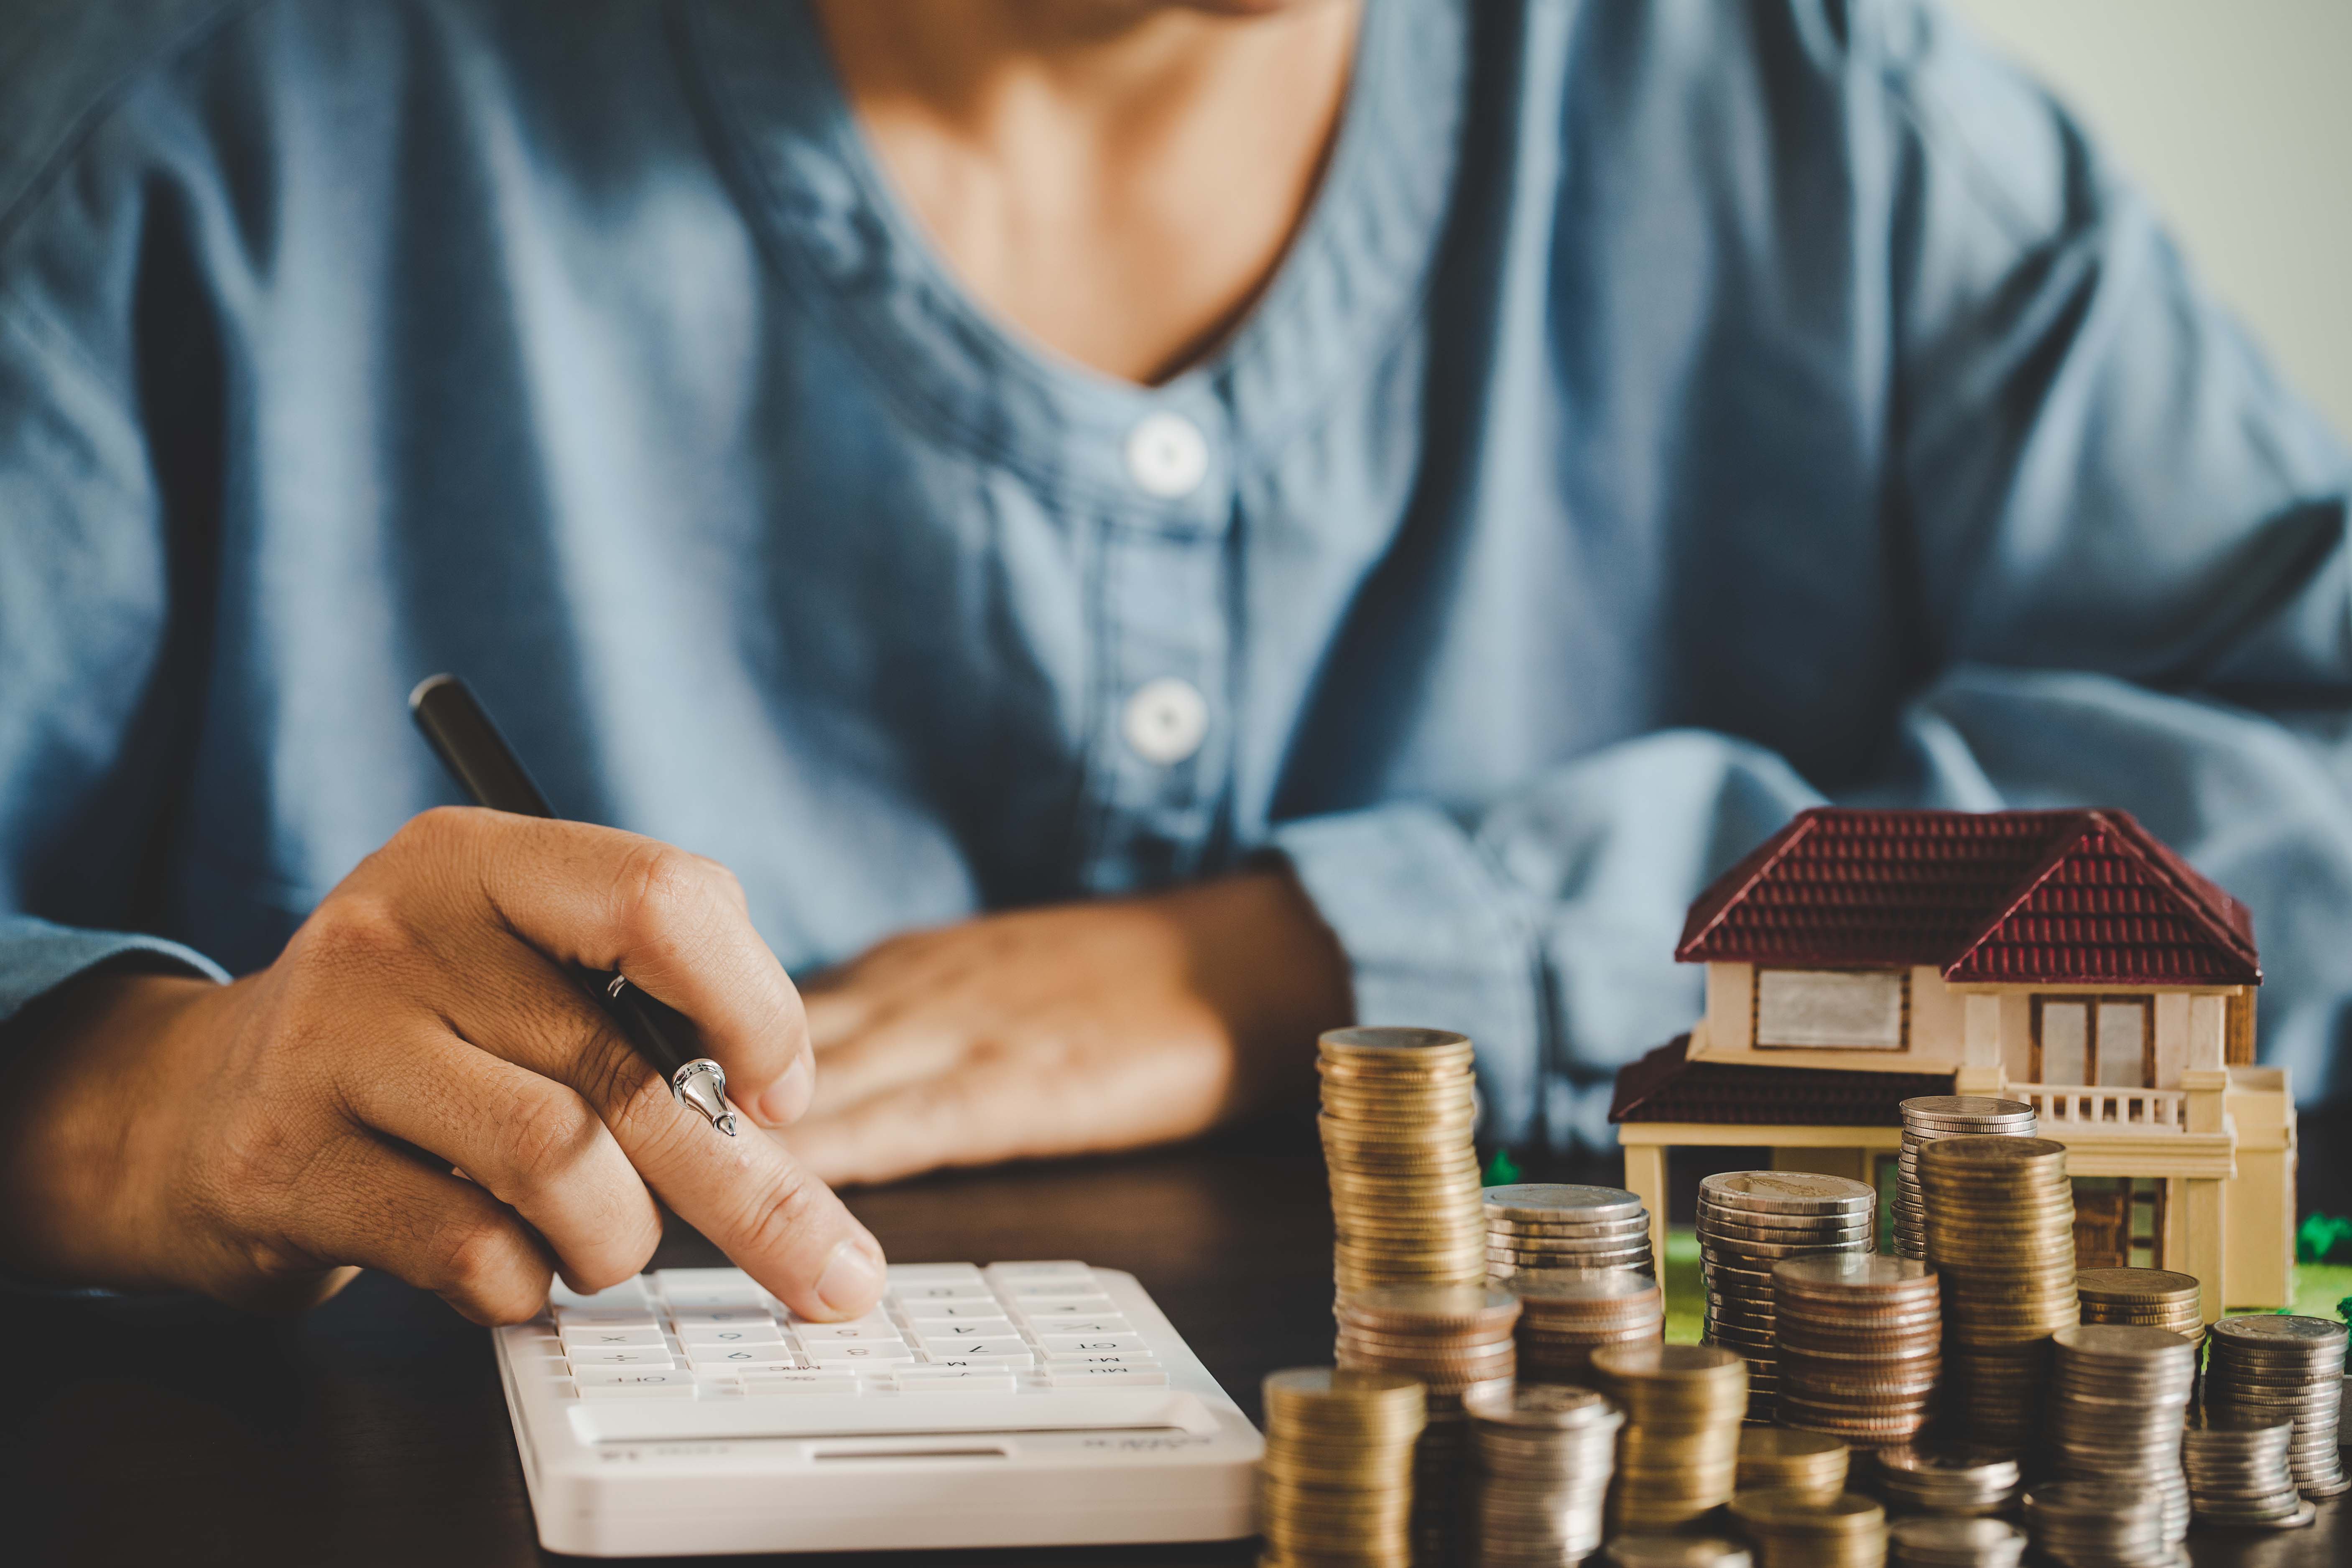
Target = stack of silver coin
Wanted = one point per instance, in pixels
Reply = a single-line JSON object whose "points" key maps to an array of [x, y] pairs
{"points": [[1566, 1315], [1559, 1225], [1541, 1461], [1931, 1543], [1933, 1116], [1749, 1221], [1861, 1341], [2238, 1475], [2121, 1399], [1938, 1478], [2281, 1368], [2099, 1524]]}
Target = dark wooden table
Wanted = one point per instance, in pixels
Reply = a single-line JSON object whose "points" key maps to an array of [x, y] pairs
{"points": [[372, 1431]]}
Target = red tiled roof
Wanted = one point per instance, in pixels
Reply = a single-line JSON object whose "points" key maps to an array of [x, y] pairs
{"points": [[2057, 897], [1666, 1086]]}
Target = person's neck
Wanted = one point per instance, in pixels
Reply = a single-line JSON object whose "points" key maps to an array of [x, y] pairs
{"points": [[1118, 180]]}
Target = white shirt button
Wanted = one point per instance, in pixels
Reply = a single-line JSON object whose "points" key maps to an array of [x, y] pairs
{"points": [[1166, 720], [1167, 455]]}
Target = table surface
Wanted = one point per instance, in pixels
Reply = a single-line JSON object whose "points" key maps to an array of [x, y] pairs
{"points": [[372, 1431]]}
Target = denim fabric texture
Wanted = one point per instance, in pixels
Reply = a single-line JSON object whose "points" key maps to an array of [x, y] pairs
{"points": [[1670, 416]]}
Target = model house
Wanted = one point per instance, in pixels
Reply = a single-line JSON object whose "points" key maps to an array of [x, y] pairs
{"points": [[2064, 958]]}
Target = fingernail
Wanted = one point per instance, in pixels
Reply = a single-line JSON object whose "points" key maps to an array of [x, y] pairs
{"points": [[851, 1280], [784, 1100]]}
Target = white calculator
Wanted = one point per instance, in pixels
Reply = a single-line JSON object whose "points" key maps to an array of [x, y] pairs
{"points": [[1020, 1404]]}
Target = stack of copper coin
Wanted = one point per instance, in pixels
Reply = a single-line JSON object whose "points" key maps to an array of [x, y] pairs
{"points": [[2284, 1368], [1931, 1543], [1335, 1488], [1935, 1116], [1749, 1221], [1946, 1479], [2239, 1476], [1560, 1225], [1678, 1455], [2000, 1234], [1677, 1551], [1399, 1108], [2120, 1399], [2099, 1524], [1455, 1339], [1790, 1530], [2152, 1298], [1861, 1344], [1540, 1460], [1778, 1459], [1567, 1313]]}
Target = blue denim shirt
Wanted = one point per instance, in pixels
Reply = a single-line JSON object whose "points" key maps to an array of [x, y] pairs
{"points": [[1670, 415]]}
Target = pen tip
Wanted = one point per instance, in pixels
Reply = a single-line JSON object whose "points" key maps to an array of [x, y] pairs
{"points": [[724, 1124]]}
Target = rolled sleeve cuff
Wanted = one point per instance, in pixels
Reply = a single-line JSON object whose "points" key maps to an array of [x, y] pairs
{"points": [[1431, 939], [37, 956]]}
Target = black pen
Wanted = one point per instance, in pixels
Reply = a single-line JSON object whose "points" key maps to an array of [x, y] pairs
{"points": [[486, 767]]}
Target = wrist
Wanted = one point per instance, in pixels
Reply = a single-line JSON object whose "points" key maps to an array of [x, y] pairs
{"points": [[1273, 969], [79, 1202]]}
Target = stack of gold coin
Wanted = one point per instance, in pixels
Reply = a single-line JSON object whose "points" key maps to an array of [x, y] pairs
{"points": [[1930, 1543], [2279, 1367], [1748, 1222], [1945, 1480], [1778, 1459], [2001, 1234], [1398, 1109], [1561, 1225], [1567, 1313], [2121, 1397], [1541, 1456], [2153, 1297], [1455, 1339], [1335, 1488], [1933, 1116], [1861, 1346], [1678, 1456], [1789, 1529]]}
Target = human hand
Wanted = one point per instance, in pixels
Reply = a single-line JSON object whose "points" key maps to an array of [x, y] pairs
{"points": [[1063, 1030], [255, 1141]]}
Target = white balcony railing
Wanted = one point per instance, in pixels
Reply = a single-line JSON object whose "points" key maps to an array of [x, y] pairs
{"points": [[2080, 1110]]}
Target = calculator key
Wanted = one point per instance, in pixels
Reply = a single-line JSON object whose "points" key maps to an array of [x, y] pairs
{"points": [[630, 1292], [605, 1318], [1114, 1324], [1050, 1320], [899, 1274], [951, 1307], [626, 1356], [826, 1333], [764, 1385], [955, 1380], [1062, 1374], [724, 1314], [1058, 1269], [1022, 1292], [831, 1352], [718, 1358], [1058, 1346], [631, 1376], [734, 1279], [908, 1295], [587, 1336], [731, 1333], [951, 1331], [1008, 1347]]}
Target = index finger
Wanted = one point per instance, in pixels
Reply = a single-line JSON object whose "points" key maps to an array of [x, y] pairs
{"points": [[673, 923]]}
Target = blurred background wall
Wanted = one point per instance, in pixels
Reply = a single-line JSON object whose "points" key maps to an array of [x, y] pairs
{"points": [[2235, 116]]}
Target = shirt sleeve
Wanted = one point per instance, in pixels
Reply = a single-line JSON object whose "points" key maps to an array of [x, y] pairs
{"points": [[2126, 566]]}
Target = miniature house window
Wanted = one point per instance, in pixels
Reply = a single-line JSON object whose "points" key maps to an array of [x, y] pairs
{"points": [[2096, 1042], [1837, 1010]]}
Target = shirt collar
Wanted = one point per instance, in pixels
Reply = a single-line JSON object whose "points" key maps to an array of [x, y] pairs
{"points": [[843, 242]]}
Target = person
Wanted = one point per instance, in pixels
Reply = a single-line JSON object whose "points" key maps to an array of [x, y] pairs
{"points": [[1103, 536]]}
